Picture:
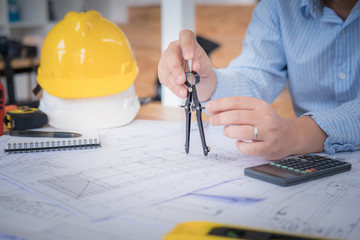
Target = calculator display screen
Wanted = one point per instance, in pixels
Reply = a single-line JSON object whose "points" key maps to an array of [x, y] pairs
{"points": [[275, 171]]}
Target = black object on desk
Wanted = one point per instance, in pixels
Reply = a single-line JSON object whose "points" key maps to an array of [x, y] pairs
{"points": [[25, 118], [297, 169], [25, 133]]}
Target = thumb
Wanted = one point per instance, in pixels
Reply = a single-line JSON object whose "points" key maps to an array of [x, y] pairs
{"points": [[187, 43]]}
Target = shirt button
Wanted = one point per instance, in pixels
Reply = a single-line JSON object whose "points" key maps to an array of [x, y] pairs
{"points": [[342, 75]]}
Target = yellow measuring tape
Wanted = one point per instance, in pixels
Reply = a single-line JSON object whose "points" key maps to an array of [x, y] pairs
{"points": [[25, 118], [217, 231]]}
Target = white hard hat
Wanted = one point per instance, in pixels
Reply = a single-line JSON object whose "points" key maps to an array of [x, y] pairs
{"points": [[91, 113]]}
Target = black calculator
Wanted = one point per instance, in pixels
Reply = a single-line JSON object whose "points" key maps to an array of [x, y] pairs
{"points": [[297, 169]]}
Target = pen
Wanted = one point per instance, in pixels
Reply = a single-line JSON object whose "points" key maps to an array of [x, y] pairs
{"points": [[25, 133]]}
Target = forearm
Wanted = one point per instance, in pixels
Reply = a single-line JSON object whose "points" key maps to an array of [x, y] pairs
{"points": [[260, 71], [251, 82]]}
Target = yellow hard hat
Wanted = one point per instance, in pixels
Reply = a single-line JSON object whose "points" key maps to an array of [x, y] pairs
{"points": [[85, 55]]}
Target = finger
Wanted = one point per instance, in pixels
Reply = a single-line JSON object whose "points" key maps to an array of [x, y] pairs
{"points": [[172, 57], [163, 72], [260, 149], [187, 43], [242, 132], [196, 66], [232, 103], [251, 148], [167, 79], [235, 117], [201, 61], [179, 89]]}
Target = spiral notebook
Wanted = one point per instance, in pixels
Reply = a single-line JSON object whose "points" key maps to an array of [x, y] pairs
{"points": [[88, 139]]}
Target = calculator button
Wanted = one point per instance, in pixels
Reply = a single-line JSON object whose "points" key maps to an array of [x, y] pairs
{"points": [[303, 168]]}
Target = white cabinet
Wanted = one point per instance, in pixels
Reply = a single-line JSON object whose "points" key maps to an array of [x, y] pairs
{"points": [[32, 17], [3, 16], [37, 17]]}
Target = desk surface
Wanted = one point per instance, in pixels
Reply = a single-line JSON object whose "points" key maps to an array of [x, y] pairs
{"points": [[140, 184]]}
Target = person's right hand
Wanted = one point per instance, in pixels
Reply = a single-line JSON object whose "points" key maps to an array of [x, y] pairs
{"points": [[173, 65]]}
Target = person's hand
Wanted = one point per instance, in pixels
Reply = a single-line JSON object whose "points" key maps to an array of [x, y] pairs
{"points": [[173, 65], [277, 137]]}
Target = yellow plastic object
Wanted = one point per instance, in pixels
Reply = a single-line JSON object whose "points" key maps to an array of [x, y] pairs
{"points": [[199, 230], [86, 55]]}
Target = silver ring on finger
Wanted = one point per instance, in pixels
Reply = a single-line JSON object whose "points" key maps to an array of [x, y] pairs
{"points": [[256, 132]]}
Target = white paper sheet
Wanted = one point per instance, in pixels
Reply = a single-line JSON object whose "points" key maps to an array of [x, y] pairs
{"points": [[327, 207], [138, 164], [140, 184]]}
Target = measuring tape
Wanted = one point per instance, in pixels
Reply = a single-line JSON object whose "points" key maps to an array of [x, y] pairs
{"points": [[216, 231], [25, 118]]}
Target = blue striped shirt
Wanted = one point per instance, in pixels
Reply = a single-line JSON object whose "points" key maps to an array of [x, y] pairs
{"points": [[308, 45]]}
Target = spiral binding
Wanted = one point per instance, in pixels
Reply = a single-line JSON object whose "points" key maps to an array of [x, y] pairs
{"points": [[44, 146]]}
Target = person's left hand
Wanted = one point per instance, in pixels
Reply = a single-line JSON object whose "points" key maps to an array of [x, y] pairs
{"points": [[241, 114]]}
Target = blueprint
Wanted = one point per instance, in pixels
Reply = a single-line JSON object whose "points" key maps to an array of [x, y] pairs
{"points": [[327, 207], [140, 184], [128, 170]]}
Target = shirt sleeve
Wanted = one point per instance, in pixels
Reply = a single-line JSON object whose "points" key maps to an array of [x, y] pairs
{"points": [[260, 71], [342, 125]]}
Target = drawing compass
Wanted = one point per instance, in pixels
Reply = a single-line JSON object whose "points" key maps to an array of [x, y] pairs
{"points": [[192, 104]]}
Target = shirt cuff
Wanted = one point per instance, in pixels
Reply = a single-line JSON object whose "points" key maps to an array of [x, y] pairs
{"points": [[342, 128]]}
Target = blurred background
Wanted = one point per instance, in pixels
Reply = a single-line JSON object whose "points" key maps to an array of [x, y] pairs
{"points": [[26, 23]]}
